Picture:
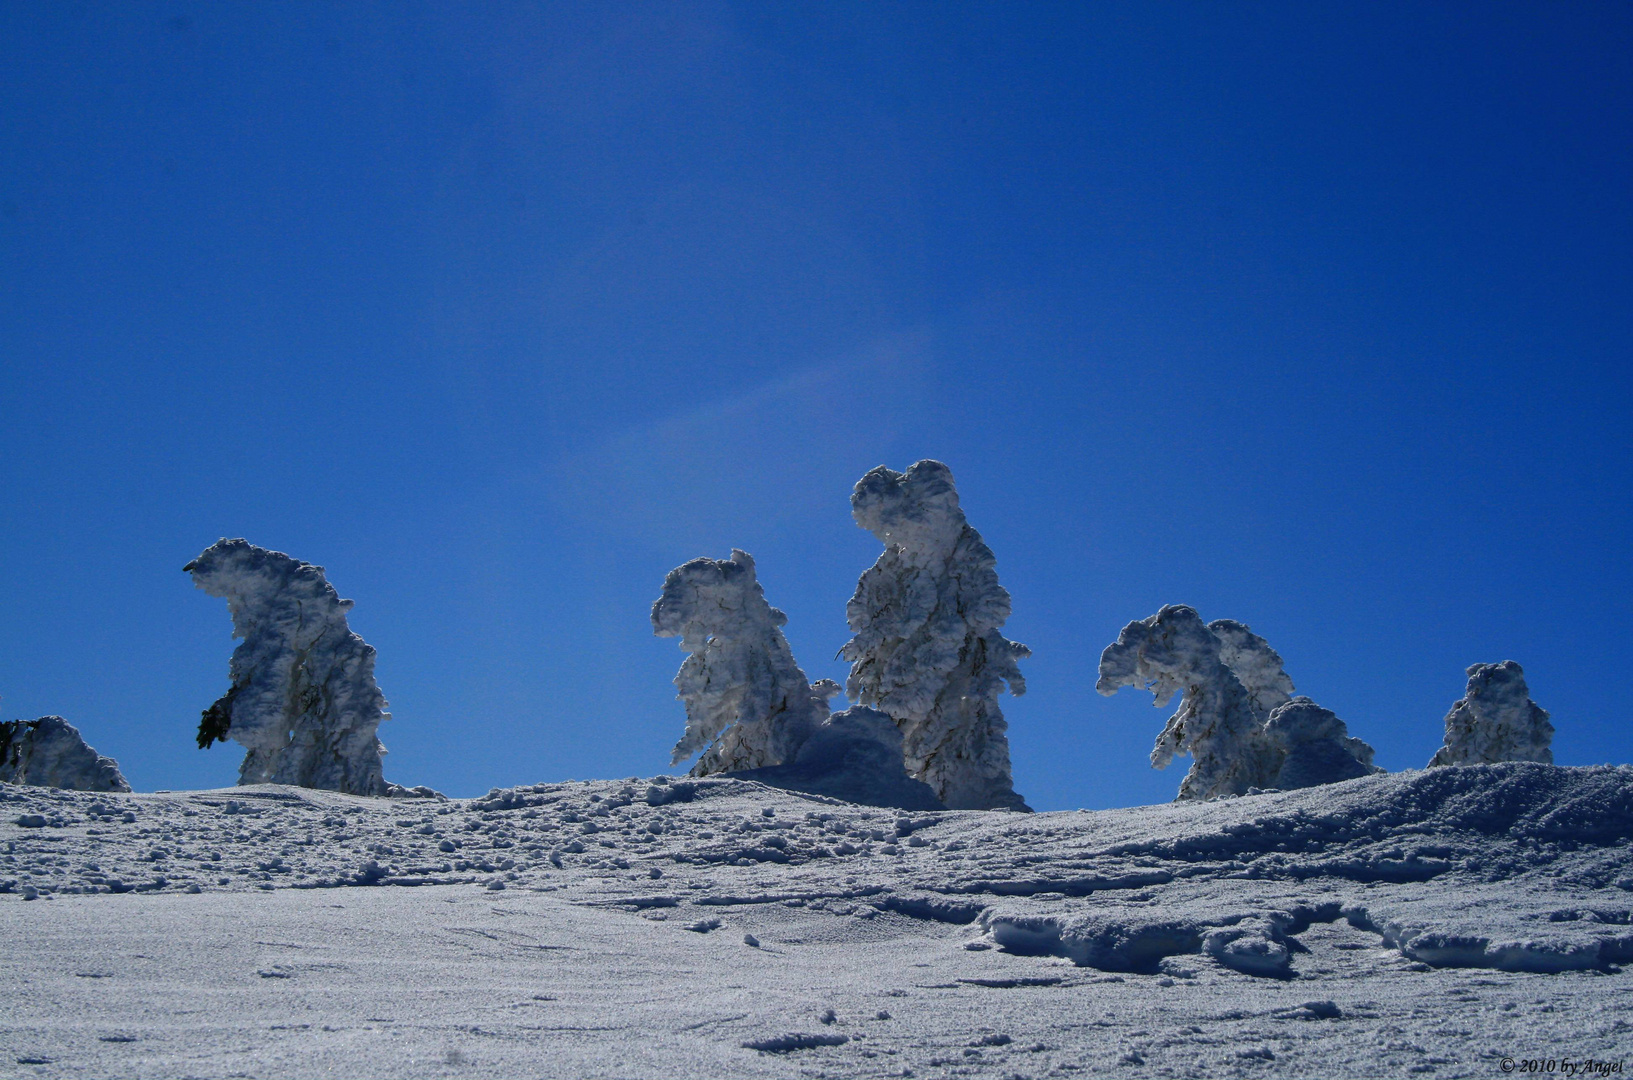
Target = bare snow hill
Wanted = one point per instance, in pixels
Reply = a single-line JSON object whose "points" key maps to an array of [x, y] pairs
{"points": [[1429, 922]]}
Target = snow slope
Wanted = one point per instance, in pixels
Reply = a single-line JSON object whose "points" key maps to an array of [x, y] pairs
{"points": [[1425, 922]]}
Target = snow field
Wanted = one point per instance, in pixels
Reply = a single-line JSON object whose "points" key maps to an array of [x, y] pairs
{"points": [[1433, 921]]}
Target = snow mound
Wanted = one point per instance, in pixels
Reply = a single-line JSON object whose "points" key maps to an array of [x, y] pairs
{"points": [[856, 756], [303, 699], [1315, 746], [748, 704], [49, 752], [1495, 720], [926, 649]]}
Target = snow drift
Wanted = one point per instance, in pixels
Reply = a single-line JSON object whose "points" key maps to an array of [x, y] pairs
{"points": [[926, 650], [855, 755], [1495, 720], [49, 752], [1236, 717], [303, 699]]}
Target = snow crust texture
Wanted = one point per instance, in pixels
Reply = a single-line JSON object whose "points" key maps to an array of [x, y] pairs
{"points": [[50, 752], [709, 927], [927, 649], [1236, 717], [748, 704], [1496, 720], [303, 699]]}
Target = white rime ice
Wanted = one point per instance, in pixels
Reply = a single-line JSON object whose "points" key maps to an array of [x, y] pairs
{"points": [[926, 649], [49, 752], [303, 698], [1236, 717], [1496, 720], [748, 704]]}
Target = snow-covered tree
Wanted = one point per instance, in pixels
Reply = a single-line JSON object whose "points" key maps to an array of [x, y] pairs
{"points": [[748, 704], [1314, 746], [1217, 722], [303, 698], [1255, 663], [1236, 718], [49, 752], [1496, 720], [926, 649]]}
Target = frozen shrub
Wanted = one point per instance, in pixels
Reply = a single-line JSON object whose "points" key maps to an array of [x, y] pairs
{"points": [[1217, 723], [1315, 747], [748, 704], [926, 650], [49, 752], [303, 699], [1496, 720]]}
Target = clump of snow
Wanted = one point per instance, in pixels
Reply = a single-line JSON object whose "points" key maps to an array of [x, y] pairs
{"points": [[1236, 718], [1216, 723], [748, 704], [303, 699], [50, 752], [1496, 720], [926, 649], [855, 755], [1315, 746]]}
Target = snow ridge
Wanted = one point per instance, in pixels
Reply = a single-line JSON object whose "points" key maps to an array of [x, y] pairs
{"points": [[1496, 720], [50, 752], [748, 704], [926, 649], [303, 698]]}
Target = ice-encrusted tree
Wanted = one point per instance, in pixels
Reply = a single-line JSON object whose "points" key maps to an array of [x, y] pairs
{"points": [[748, 704], [303, 699], [1252, 660], [1237, 717], [1314, 746], [1217, 722], [50, 752], [926, 649], [1496, 720]]}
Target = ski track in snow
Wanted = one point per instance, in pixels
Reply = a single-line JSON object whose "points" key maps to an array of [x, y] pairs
{"points": [[1428, 922]]}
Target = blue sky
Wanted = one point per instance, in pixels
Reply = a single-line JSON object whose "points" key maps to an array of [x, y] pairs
{"points": [[1312, 316]]}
